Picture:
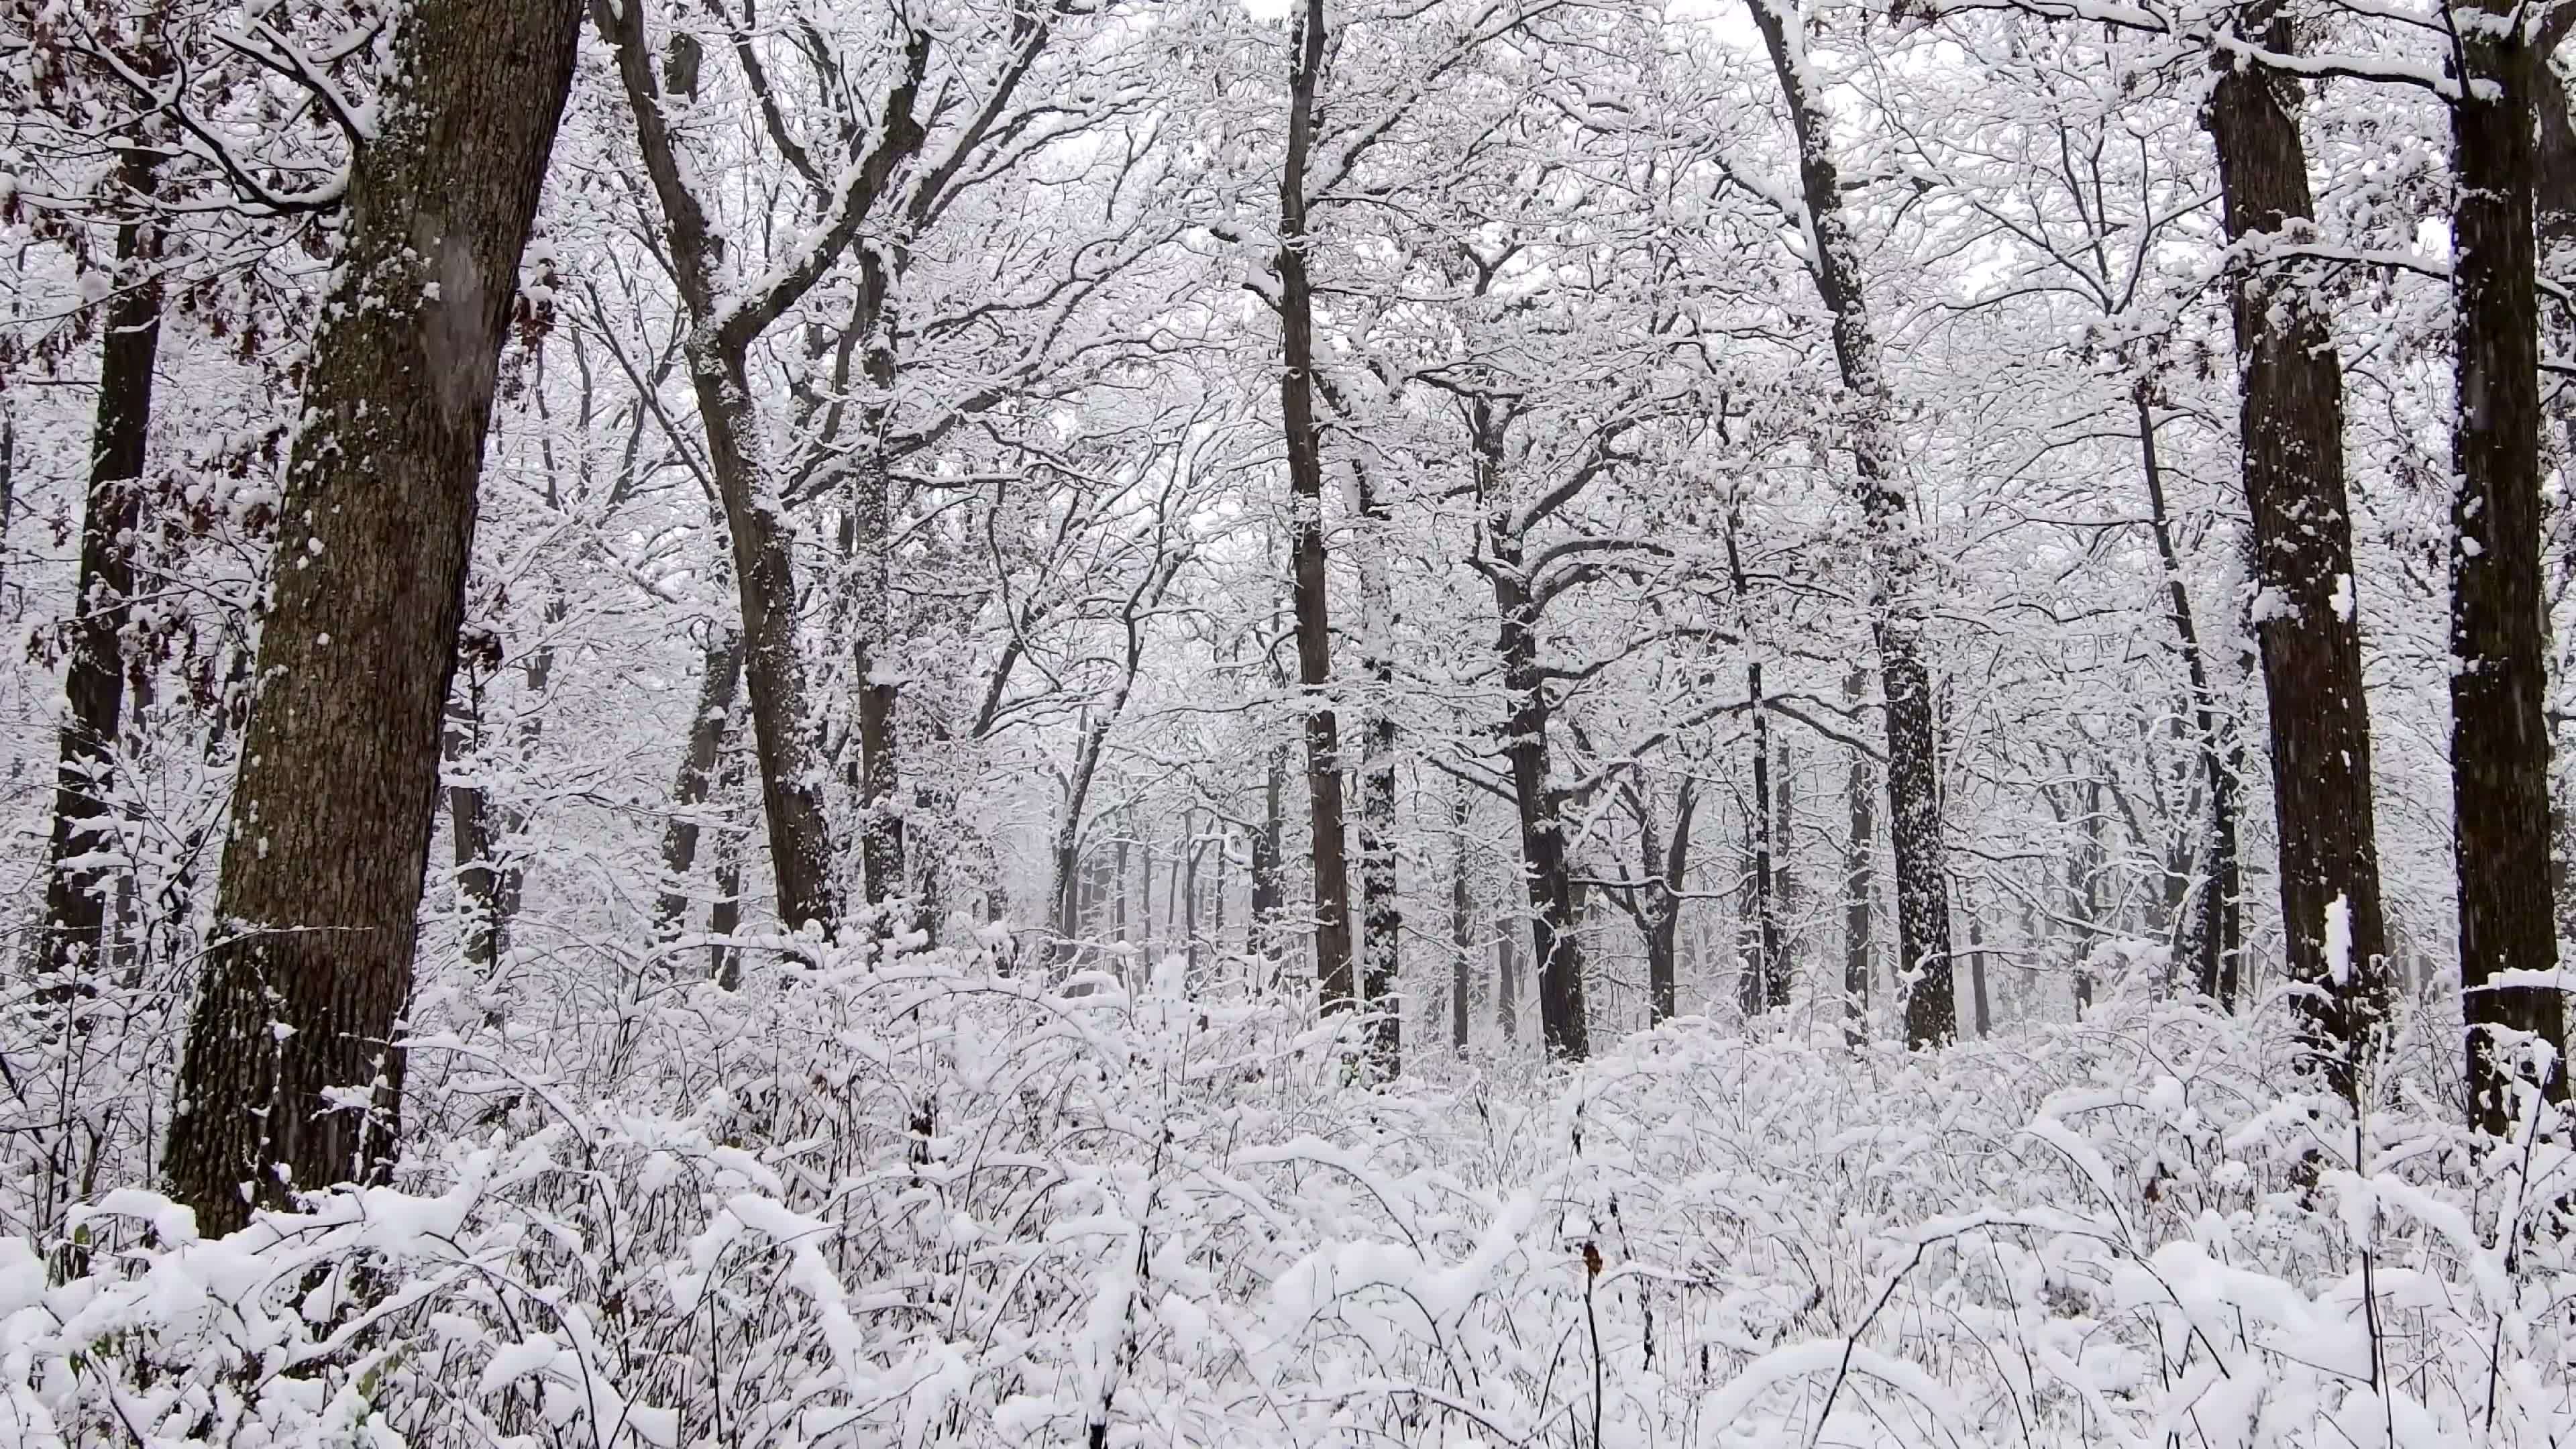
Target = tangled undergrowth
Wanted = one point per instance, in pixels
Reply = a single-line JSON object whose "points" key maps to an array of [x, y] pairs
{"points": [[928, 1202]]}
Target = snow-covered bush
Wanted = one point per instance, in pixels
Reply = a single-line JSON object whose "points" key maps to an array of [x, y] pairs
{"points": [[926, 1202]]}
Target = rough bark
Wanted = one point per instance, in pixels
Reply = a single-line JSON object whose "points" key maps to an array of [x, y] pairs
{"points": [[1305, 443], [2499, 738], [1899, 567], [336, 795], [2291, 427], [94, 674]]}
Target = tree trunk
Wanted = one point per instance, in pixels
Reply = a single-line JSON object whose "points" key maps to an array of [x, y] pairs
{"points": [[1985, 1015], [8, 489], [1145, 890], [1783, 973], [1506, 986], [2291, 429], [469, 827], [1667, 869], [724, 917], [1305, 440], [1553, 925], [719, 682], [1859, 791], [1269, 888], [2499, 738], [881, 842], [1381, 914], [1219, 887], [1186, 866], [1762, 992], [1539, 805], [1093, 742], [94, 674], [2217, 936], [1899, 566], [722, 330], [2084, 886], [1462, 929], [337, 790]]}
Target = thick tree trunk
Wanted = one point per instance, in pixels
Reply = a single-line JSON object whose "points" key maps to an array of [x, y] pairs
{"points": [[1858, 858], [336, 795], [1506, 980], [1305, 441], [94, 675], [2499, 739], [1899, 567], [2308, 628]]}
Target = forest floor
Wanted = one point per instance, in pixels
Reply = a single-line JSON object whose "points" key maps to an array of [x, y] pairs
{"points": [[928, 1203]]}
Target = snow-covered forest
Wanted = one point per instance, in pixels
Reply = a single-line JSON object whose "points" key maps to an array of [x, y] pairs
{"points": [[1310, 722]]}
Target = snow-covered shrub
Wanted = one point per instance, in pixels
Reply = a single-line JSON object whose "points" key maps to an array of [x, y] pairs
{"points": [[924, 1202]]}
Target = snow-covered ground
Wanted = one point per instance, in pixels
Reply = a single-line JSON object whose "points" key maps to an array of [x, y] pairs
{"points": [[928, 1203]]}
